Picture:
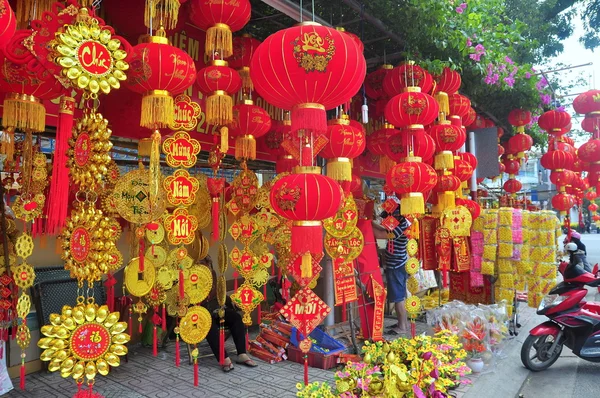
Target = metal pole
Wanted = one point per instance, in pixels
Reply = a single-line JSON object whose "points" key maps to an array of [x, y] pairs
{"points": [[474, 176], [328, 291], [561, 69]]}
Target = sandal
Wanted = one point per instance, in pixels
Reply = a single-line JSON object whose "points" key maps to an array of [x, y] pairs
{"points": [[249, 363], [227, 368]]}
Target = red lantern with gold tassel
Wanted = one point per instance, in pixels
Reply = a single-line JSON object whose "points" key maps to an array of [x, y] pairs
{"points": [[459, 106], [244, 47], [412, 109], [590, 151], [308, 69], [447, 83], [592, 207], [563, 203], [165, 12], [448, 138], [410, 179], [250, 121], [374, 82], [512, 186], [219, 19], [519, 118], [8, 23], [423, 146], [556, 160], [345, 143], [404, 76], [469, 118], [519, 144], [554, 122]]}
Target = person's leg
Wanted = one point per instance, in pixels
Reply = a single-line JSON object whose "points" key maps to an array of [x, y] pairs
{"points": [[233, 320], [402, 317], [396, 287], [213, 340]]}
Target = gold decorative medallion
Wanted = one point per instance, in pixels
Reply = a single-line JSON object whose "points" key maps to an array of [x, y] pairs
{"points": [[139, 281]]}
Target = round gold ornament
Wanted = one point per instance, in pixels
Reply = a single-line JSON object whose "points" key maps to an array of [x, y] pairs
{"points": [[90, 57], [175, 261], [198, 283], [115, 259], [39, 160], [136, 286], [412, 266], [457, 220], [88, 155], [259, 278], [23, 336], [115, 229], [132, 197], [157, 254], [28, 209], [83, 341], [412, 285], [412, 247], [157, 295], [157, 235], [344, 221], [349, 247], [175, 305], [222, 258], [23, 275], [204, 247], [166, 277], [413, 306], [112, 176], [221, 290], [222, 226], [194, 326], [24, 246], [23, 306], [201, 208]]}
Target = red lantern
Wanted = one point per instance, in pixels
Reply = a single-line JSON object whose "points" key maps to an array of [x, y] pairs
{"points": [[563, 202], [562, 178], [519, 144], [512, 186], [447, 183], [307, 199], [374, 82], [219, 19], [591, 124], [448, 138], [462, 169], [307, 69], [459, 105], [447, 83], [593, 207], [587, 102], [410, 180], [424, 146], [519, 118], [395, 146], [556, 160], [500, 150], [501, 168], [374, 140], [469, 118], [404, 76], [470, 158], [590, 151], [512, 166], [159, 71], [218, 81], [8, 23], [591, 195], [554, 122], [471, 205], [355, 38], [249, 122], [345, 142], [412, 109], [244, 47]]}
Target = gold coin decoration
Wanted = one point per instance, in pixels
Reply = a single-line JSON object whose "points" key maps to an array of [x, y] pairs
{"points": [[221, 290], [348, 247], [116, 259], [204, 247], [175, 261], [90, 57], [198, 283], [412, 285], [23, 275], [23, 305], [23, 336], [29, 209], [136, 286], [413, 306], [155, 235], [344, 221], [412, 247], [157, 295], [157, 254], [194, 326], [132, 198], [88, 155], [412, 266], [83, 341], [24, 245], [222, 226], [222, 258], [175, 305], [259, 278], [201, 208], [166, 277]]}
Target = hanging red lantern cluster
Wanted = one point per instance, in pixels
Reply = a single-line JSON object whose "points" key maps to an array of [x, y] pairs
{"points": [[250, 122], [244, 47], [410, 180], [218, 82], [588, 104], [520, 142], [447, 83]]}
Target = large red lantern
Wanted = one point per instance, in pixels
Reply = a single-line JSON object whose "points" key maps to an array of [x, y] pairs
{"points": [[159, 71], [423, 146], [218, 82], [374, 82], [447, 83], [219, 19], [462, 169], [448, 138], [412, 109], [513, 186], [8, 23], [410, 180], [249, 122], [306, 199], [244, 47], [519, 118], [590, 151], [308, 69], [471, 205], [355, 38], [556, 160], [563, 202], [519, 144], [346, 142], [460, 105], [407, 75], [469, 118], [588, 102], [554, 122], [470, 158]]}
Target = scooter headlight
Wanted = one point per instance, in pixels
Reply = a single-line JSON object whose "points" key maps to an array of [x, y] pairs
{"points": [[551, 300]]}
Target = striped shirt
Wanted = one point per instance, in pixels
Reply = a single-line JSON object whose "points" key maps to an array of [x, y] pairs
{"points": [[398, 257]]}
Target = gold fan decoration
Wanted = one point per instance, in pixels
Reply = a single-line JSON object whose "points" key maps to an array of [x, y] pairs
{"points": [[88, 155], [89, 56], [83, 341]]}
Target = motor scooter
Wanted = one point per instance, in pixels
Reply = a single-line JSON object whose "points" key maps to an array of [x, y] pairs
{"points": [[573, 323]]}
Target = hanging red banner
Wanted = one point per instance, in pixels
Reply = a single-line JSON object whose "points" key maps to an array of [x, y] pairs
{"points": [[343, 282], [379, 294]]}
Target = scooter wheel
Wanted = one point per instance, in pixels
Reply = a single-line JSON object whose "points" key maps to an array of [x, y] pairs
{"points": [[536, 355]]}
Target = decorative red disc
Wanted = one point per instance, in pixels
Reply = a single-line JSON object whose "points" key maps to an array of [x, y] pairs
{"points": [[80, 244], [82, 149], [90, 341], [94, 58]]}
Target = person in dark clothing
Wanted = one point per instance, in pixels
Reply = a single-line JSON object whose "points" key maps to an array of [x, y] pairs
{"points": [[577, 257], [233, 321]]}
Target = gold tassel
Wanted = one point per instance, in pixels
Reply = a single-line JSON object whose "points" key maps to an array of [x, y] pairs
{"points": [[306, 266], [245, 147], [446, 200], [340, 169], [385, 164], [442, 99], [157, 109], [224, 139], [247, 84], [218, 39], [219, 108], [154, 167], [161, 12], [24, 112], [444, 160], [8, 143], [412, 203], [28, 10]]}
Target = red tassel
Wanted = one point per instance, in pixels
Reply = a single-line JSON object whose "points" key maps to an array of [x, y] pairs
{"points": [[177, 355], [58, 196], [196, 372], [154, 342], [235, 280], [110, 291], [413, 329], [215, 219], [181, 287], [305, 369], [22, 379], [164, 318], [141, 254], [222, 344], [307, 239]]}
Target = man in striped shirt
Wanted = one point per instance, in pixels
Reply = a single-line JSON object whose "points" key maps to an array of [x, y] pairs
{"points": [[395, 271]]}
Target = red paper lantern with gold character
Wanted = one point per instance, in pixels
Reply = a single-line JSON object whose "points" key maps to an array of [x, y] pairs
{"points": [[8, 23], [512, 186], [470, 158], [306, 199], [462, 169], [159, 71], [556, 160], [407, 75], [219, 19], [249, 122], [519, 118], [588, 102], [563, 202], [591, 195], [519, 144], [593, 207], [512, 166], [448, 138], [554, 122], [218, 82], [469, 118], [395, 146], [563, 178], [374, 82], [345, 142], [471, 205], [447, 183], [244, 47], [410, 180], [591, 124], [590, 151], [459, 105], [308, 69], [412, 109], [447, 83]]}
